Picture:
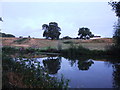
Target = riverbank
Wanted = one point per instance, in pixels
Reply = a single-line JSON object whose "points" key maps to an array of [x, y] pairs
{"points": [[18, 74], [72, 52]]}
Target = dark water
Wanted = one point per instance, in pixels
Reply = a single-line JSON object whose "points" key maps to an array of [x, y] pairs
{"points": [[82, 73]]}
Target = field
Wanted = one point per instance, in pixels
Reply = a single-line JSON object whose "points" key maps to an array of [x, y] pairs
{"points": [[92, 44]]}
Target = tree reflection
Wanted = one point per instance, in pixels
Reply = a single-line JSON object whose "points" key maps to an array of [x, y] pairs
{"points": [[116, 75], [85, 65], [52, 65]]}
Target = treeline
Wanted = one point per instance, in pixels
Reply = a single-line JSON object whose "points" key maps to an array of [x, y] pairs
{"points": [[52, 31], [6, 35]]}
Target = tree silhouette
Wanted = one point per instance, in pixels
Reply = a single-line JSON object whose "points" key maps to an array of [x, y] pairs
{"points": [[84, 65], [85, 33], [6, 35], [116, 7], [52, 65], [51, 31], [1, 19], [116, 75]]}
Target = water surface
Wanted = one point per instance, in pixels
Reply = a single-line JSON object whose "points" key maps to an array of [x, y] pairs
{"points": [[81, 73]]}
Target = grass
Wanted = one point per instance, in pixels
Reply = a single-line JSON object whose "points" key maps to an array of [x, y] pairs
{"points": [[95, 44], [92, 44], [19, 41]]}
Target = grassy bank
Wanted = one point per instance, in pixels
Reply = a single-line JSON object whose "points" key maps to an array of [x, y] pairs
{"points": [[73, 51], [17, 75]]}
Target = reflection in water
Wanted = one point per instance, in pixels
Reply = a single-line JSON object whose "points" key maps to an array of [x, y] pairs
{"points": [[85, 65], [116, 75], [52, 65], [99, 76]]}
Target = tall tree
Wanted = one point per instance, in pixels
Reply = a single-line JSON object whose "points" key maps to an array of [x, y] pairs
{"points": [[116, 67], [51, 31], [116, 7], [85, 33]]}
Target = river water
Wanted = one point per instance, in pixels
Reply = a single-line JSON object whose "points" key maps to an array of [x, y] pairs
{"points": [[81, 73]]}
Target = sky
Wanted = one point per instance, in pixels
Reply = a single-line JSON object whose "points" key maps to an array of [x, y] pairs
{"points": [[26, 18]]}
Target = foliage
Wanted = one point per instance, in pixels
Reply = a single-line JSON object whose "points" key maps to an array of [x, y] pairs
{"points": [[116, 75], [8, 50], [1, 19], [115, 49], [68, 42], [77, 51], [6, 35], [116, 35], [50, 50], [66, 37], [19, 50], [84, 65], [85, 33], [52, 65], [116, 7], [51, 31], [30, 75]]}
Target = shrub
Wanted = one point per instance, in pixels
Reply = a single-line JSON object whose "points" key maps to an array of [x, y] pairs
{"points": [[67, 42], [66, 37], [29, 75]]}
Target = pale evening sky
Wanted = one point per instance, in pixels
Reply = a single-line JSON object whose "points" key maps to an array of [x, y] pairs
{"points": [[26, 18]]}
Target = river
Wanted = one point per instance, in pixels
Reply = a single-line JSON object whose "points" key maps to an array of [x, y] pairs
{"points": [[88, 73]]}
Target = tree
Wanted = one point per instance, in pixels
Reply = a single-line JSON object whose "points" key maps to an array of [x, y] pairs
{"points": [[52, 65], [116, 67], [116, 7], [6, 35], [84, 65], [85, 33], [66, 37], [1, 19], [51, 31]]}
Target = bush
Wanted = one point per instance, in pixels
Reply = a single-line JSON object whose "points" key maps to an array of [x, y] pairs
{"points": [[6, 35], [78, 51], [9, 49], [114, 50], [66, 37], [67, 42], [27, 76]]}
